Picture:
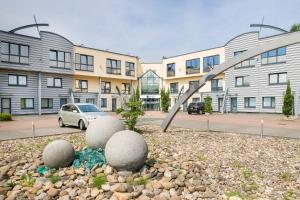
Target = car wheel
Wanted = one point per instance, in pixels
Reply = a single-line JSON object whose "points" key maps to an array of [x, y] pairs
{"points": [[61, 123], [81, 125], [189, 113], [200, 112]]}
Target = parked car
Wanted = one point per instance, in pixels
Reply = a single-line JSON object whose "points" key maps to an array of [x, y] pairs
{"points": [[78, 114], [196, 107]]}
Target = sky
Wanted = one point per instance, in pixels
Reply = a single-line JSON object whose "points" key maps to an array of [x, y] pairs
{"points": [[149, 29]]}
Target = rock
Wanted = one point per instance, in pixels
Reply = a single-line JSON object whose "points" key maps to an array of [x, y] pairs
{"points": [[101, 129], [143, 197], [235, 198], [126, 150], [119, 187], [59, 153], [105, 187], [52, 192], [65, 197], [95, 192], [58, 184], [3, 172], [108, 170], [122, 196], [79, 171], [112, 178]]}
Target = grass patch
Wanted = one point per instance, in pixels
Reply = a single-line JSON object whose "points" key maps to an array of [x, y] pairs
{"points": [[285, 176], [201, 157], [233, 194], [54, 178], [10, 184], [288, 195], [247, 174], [5, 117], [98, 181], [238, 164], [137, 181], [27, 180]]}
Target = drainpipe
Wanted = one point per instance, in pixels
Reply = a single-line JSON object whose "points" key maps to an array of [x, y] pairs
{"points": [[296, 101], [40, 93], [100, 91]]}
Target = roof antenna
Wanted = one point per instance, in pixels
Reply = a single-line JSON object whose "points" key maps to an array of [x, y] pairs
{"points": [[37, 27], [262, 22]]}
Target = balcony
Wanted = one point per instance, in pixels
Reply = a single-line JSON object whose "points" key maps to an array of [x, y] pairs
{"points": [[170, 73], [216, 89], [192, 70]]}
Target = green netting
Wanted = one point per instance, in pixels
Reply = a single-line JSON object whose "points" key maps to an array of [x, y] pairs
{"points": [[42, 170], [88, 158]]}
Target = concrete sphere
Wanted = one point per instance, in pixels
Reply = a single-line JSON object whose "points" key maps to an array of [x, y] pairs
{"points": [[59, 153], [126, 150], [101, 129]]}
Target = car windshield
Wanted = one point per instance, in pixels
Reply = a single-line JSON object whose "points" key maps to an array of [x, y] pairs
{"points": [[88, 108]]}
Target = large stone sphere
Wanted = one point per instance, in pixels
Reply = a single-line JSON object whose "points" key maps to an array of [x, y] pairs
{"points": [[59, 153], [126, 150], [101, 129]]}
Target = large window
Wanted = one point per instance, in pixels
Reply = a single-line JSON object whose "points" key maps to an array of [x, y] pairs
{"points": [[82, 85], [170, 69], [150, 83], [54, 82], [174, 88], [17, 80], [113, 66], [216, 85], [242, 81], [193, 66], [268, 102], [246, 63], [250, 102], [27, 103], [84, 62], [60, 59], [105, 87], [47, 103], [210, 61], [103, 103], [130, 69], [278, 78], [14, 53], [125, 88], [274, 56], [90, 100]]}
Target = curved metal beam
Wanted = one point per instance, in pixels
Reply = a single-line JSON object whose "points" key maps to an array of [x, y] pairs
{"points": [[273, 44], [269, 26], [27, 26]]}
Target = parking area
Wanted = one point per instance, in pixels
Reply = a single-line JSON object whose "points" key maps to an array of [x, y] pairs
{"points": [[247, 123]]}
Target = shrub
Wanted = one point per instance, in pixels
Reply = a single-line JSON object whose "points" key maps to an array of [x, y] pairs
{"points": [[5, 117], [133, 110], [165, 99], [98, 181], [27, 180], [287, 107], [54, 178], [207, 105], [295, 28], [119, 110]]}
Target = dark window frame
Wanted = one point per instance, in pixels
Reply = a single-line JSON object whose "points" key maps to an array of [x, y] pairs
{"points": [[174, 91], [243, 84], [110, 69], [105, 90], [102, 103], [205, 66], [48, 103], [125, 91], [262, 56], [216, 89], [190, 69], [247, 102], [93, 100], [18, 84], [80, 64], [19, 55], [170, 71], [57, 60], [270, 107], [26, 108], [79, 87], [54, 86], [278, 83], [129, 68]]}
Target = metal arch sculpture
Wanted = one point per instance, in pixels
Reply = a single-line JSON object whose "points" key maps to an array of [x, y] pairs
{"points": [[281, 42], [269, 26], [27, 26]]}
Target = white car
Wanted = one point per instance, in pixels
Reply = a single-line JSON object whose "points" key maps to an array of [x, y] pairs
{"points": [[78, 114]]}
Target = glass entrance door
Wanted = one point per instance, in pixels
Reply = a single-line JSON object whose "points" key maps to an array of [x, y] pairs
{"points": [[233, 104], [6, 105], [113, 104], [220, 104]]}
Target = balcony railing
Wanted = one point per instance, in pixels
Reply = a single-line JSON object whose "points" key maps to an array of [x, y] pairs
{"points": [[170, 73], [192, 70], [217, 89], [105, 91]]}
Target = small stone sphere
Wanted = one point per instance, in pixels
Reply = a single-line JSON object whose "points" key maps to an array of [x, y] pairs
{"points": [[59, 153], [126, 150], [101, 129]]}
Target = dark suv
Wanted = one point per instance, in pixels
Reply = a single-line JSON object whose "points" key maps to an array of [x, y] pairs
{"points": [[196, 107]]}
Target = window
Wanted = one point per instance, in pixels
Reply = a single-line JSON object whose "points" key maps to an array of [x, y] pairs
{"points": [[268, 102], [216, 85], [17, 80], [170, 69], [90, 100], [193, 84], [105, 87], [126, 88], [103, 103], [54, 82], [47, 103], [82, 85], [246, 63], [174, 88], [150, 83], [278, 78], [84, 62], [193, 66], [250, 102], [77, 100], [130, 69], [195, 100], [210, 61], [113, 66], [242, 81], [274, 56], [27, 103], [14, 53], [60, 59]]}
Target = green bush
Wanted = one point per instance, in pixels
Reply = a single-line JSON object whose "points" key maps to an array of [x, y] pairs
{"points": [[207, 105], [98, 181], [295, 28], [165, 99], [119, 110], [287, 108], [5, 117]]}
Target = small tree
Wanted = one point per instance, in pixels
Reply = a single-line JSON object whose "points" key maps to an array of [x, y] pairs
{"points": [[287, 107], [133, 111], [295, 28], [165, 99], [207, 105]]}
